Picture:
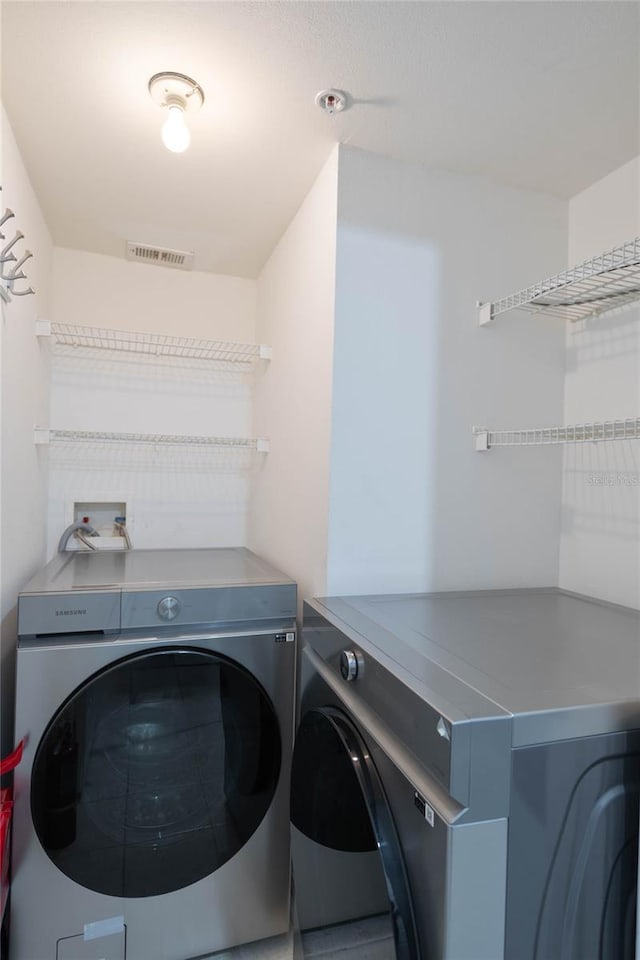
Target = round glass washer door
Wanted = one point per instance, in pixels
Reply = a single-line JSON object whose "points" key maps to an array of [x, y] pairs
{"points": [[155, 772], [338, 801]]}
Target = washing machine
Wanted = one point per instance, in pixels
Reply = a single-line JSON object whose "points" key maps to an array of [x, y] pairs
{"points": [[155, 691], [465, 777]]}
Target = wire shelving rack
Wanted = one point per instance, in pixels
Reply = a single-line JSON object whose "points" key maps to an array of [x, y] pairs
{"points": [[596, 432], [596, 286], [46, 435], [86, 338]]}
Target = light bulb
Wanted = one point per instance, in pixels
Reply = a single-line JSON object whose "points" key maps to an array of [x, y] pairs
{"points": [[175, 132]]}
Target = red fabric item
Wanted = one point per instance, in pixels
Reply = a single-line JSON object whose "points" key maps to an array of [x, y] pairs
{"points": [[6, 805], [11, 762]]}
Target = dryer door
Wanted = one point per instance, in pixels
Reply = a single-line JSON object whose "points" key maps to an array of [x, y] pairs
{"points": [[155, 772], [347, 859]]}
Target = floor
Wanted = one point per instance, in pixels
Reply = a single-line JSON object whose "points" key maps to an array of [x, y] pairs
{"points": [[370, 939], [275, 948]]}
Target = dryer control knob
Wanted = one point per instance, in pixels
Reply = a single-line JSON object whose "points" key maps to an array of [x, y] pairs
{"points": [[169, 608], [349, 665]]}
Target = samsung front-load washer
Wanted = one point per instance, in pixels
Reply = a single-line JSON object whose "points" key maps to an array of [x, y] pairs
{"points": [[155, 690], [466, 775]]}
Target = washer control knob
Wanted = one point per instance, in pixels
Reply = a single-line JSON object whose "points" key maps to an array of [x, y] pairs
{"points": [[349, 665], [169, 608]]}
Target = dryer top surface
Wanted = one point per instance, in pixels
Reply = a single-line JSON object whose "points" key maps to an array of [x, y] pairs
{"points": [[557, 662], [154, 570]]}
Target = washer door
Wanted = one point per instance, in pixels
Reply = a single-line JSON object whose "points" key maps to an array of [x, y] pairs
{"points": [[155, 772], [347, 859]]}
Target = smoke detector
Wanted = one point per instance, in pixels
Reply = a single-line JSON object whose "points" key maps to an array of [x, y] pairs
{"points": [[332, 101]]}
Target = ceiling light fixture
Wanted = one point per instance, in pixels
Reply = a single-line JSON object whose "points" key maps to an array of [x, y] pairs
{"points": [[177, 94]]}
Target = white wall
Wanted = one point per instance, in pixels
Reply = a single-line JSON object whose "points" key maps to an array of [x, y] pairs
{"points": [[600, 549], [24, 400], [103, 291], [175, 497], [293, 400], [412, 505]]}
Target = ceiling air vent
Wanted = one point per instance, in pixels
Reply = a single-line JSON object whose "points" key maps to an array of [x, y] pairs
{"points": [[161, 256]]}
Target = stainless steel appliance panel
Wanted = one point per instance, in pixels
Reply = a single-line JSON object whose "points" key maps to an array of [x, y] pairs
{"points": [[56, 613], [152, 802], [200, 917], [573, 852], [535, 693], [463, 742], [439, 867], [179, 607]]}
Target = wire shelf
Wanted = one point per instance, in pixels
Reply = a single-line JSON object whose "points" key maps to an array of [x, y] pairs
{"points": [[596, 286], [600, 432], [81, 338], [45, 435]]}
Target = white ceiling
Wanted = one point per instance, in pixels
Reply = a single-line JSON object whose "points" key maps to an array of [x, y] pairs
{"points": [[543, 95]]}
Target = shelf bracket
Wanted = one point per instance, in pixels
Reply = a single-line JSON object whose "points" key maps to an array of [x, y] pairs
{"points": [[41, 435], [481, 438], [266, 353], [43, 328], [485, 312], [262, 446]]}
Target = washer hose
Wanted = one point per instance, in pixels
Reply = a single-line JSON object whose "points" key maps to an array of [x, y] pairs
{"points": [[71, 529]]}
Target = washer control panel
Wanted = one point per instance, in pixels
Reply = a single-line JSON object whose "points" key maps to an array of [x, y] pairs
{"points": [[169, 608]]}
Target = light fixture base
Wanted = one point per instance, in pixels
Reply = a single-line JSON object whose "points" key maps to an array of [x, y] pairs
{"points": [[332, 101], [176, 89]]}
